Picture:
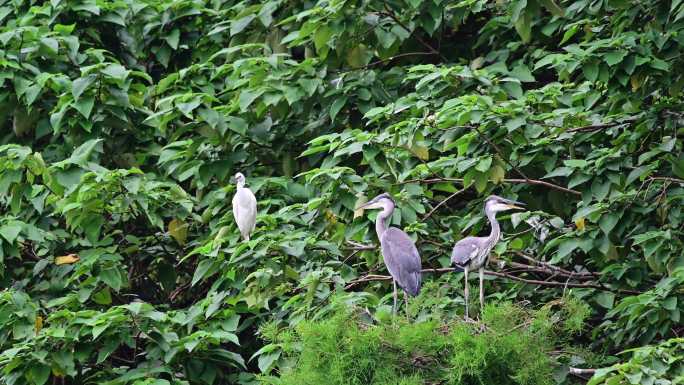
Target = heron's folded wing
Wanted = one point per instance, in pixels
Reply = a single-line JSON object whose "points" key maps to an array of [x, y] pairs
{"points": [[402, 259], [464, 251]]}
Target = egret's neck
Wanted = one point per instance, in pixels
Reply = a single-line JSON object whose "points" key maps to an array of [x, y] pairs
{"points": [[496, 230], [241, 184], [382, 219]]}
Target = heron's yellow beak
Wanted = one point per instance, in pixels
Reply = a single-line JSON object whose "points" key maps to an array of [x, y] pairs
{"points": [[515, 207]]}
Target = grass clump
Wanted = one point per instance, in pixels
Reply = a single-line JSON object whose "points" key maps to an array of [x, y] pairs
{"points": [[509, 346]]}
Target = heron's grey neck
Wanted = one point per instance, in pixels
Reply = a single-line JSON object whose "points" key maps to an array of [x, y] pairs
{"points": [[496, 230], [240, 184], [383, 218]]}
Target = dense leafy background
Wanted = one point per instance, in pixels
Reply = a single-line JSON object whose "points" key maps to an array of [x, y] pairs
{"points": [[122, 122]]}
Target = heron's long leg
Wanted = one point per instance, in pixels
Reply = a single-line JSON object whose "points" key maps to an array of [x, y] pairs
{"points": [[481, 289], [394, 307], [465, 276], [406, 304]]}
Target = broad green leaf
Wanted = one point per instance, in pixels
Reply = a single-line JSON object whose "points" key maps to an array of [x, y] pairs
{"points": [[10, 231]]}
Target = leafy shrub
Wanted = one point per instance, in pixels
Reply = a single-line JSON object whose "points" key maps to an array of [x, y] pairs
{"points": [[641, 318], [660, 364], [510, 346]]}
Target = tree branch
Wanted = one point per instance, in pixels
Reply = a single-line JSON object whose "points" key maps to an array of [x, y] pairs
{"points": [[388, 12], [498, 151], [374, 277], [666, 179], [440, 204], [595, 127], [514, 181]]}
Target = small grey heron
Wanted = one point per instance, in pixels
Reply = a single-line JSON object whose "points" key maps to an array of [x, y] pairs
{"points": [[244, 207], [398, 250], [472, 253]]}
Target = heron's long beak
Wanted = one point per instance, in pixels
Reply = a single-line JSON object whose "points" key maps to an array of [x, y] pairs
{"points": [[515, 205], [367, 205]]}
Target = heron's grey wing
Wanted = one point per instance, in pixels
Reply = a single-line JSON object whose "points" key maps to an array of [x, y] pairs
{"points": [[402, 259], [464, 251]]}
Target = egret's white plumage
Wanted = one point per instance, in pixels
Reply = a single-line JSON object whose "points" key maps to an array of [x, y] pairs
{"points": [[244, 207]]}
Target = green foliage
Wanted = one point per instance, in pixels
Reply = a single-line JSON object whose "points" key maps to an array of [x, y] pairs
{"points": [[509, 346], [659, 364], [646, 316], [122, 122]]}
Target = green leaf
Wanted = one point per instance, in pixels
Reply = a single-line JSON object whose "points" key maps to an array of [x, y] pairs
{"points": [[50, 44], [202, 271], [608, 222], [39, 373], [237, 26], [81, 155], [358, 56], [337, 106], [85, 105], [522, 73], [552, 7], [670, 303], [79, 85], [321, 37], [10, 231], [613, 58], [266, 361], [569, 34], [605, 299], [116, 71], [172, 38], [523, 25], [111, 278], [103, 297]]}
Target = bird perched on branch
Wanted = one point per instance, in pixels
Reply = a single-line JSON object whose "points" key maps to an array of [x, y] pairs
{"points": [[472, 253], [398, 250], [244, 207]]}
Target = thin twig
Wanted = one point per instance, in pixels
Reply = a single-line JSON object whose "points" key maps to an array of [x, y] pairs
{"points": [[666, 179], [594, 127], [382, 61], [360, 246], [525, 181], [498, 151], [440, 204], [374, 277], [402, 25], [545, 270]]}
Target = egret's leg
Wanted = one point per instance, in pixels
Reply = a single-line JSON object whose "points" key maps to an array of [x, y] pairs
{"points": [[465, 292], [481, 289], [394, 307]]}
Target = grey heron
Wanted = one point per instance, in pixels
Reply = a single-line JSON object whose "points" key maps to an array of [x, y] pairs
{"points": [[244, 207], [398, 250], [472, 253]]}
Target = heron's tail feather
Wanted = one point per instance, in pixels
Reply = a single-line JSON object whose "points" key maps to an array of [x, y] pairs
{"points": [[413, 286], [458, 268]]}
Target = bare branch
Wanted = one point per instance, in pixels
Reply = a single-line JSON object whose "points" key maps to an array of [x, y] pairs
{"points": [[373, 277], [514, 181], [572, 370], [440, 204], [388, 12], [666, 179], [498, 151], [595, 127]]}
